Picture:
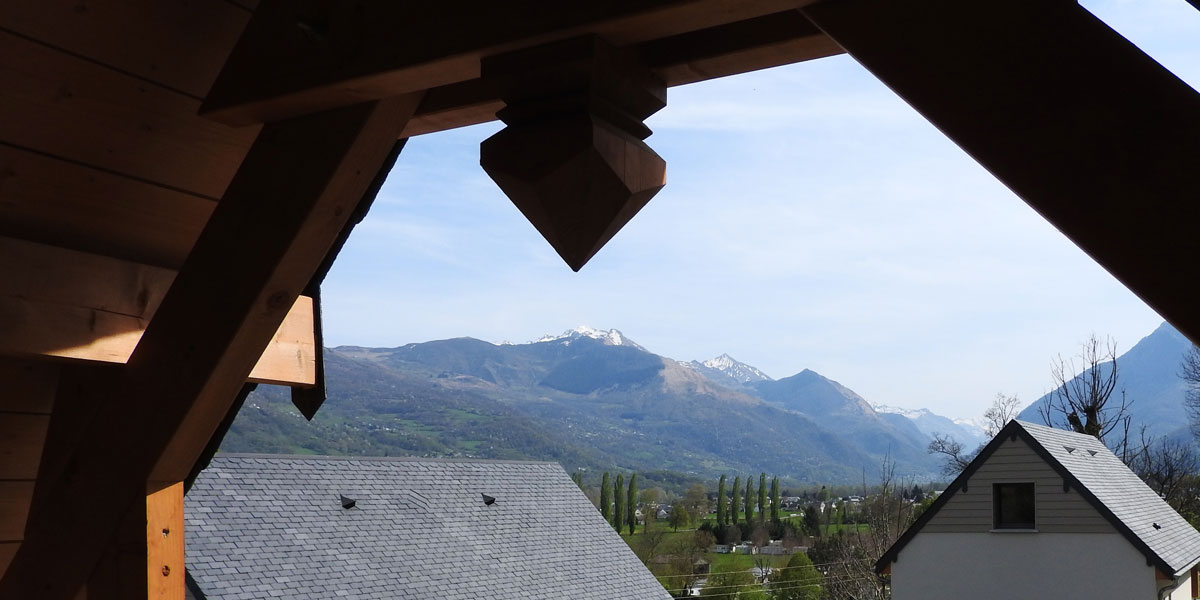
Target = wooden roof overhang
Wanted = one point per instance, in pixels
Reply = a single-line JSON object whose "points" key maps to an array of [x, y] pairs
{"points": [[173, 175]]}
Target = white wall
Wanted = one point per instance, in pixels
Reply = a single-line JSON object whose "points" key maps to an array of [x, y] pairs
{"points": [[1058, 566]]}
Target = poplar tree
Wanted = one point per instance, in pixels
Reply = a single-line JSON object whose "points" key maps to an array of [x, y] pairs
{"points": [[605, 498], [619, 501], [736, 505], [762, 497], [721, 517], [775, 499], [749, 499], [631, 503]]}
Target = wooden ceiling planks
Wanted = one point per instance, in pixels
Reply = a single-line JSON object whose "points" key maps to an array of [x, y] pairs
{"points": [[109, 156], [52, 201], [178, 44], [85, 113]]}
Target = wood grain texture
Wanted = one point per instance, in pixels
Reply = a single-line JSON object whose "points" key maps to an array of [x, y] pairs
{"points": [[46, 274], [67, 304], [52, 201], [164, 541], [86, 113], [180, 44], [290, 356]]}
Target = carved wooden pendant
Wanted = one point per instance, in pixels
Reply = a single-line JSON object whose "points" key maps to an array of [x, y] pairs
{"points": [[571, 157]]}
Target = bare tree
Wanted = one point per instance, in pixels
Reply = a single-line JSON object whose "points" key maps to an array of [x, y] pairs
{"points": [[1167, 466], [1189, 370], [956, 459], [1083, 397], [650, 545], [848, 557], [1003, 409]]}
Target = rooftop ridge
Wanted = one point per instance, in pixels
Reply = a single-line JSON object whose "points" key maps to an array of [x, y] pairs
{"points": [[440, 459]]}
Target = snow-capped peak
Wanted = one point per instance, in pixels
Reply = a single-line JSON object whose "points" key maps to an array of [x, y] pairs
{"points": [[612, 337], [911, 413], [973, 424], [735, 369]]}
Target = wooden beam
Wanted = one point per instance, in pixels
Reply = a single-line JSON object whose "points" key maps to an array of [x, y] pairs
{"points": [[21, 439], [283, 210], [1077, 121], [297, 57], [759, 43], [164, 541], [66, 304], [728, 49]]}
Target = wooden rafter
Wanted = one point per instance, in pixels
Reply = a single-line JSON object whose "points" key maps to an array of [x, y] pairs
{"points": [[728, 49], [272, 228], [73, 305], [299, 56], [1076, 120]]}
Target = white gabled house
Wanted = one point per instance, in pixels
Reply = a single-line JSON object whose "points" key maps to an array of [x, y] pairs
{"points": [[1045, 513]]}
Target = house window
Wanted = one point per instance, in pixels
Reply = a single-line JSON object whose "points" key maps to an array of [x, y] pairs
{"points": [[1012, 506]]}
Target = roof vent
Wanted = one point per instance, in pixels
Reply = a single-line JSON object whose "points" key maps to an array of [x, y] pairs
{"points": [[347, 503], [1068, 449], [488, 500], [1156, 525], [1093, 452]]}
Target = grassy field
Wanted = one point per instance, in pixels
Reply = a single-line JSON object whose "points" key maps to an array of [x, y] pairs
{"points": [[718, 562]]}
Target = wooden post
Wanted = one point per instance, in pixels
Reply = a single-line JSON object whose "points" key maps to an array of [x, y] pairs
{"points": [[164, 541]]}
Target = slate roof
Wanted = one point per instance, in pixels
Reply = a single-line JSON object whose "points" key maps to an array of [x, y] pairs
{"points": [[1104, 481], [1123, 494], [274, 527]]}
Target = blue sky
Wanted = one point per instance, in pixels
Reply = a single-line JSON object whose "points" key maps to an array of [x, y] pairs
{"points": [[811, 219]]}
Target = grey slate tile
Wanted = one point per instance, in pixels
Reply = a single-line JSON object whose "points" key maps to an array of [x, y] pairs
{"points": [[273, 527]]}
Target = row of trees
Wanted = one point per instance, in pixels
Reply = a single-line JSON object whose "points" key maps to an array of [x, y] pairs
{"points": [[727, 512], [618, 505]]}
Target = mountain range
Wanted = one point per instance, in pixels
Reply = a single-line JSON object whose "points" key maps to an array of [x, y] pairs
{"points": [[596, 400]]}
